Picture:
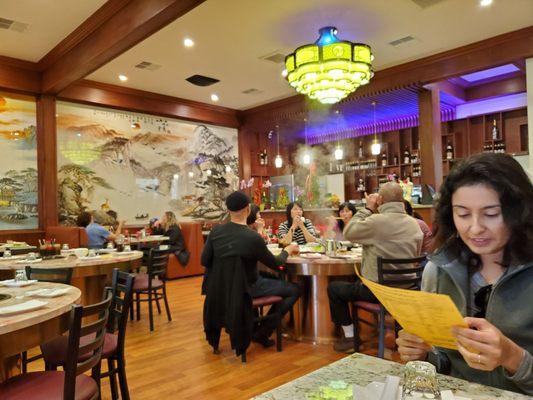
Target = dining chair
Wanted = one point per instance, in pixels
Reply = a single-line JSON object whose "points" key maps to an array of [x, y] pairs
{"points": [[55, 351], [407, 277], [71, 383], [152, 284], [53, 275]]}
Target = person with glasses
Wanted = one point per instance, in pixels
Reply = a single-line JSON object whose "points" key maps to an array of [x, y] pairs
{"points": [[484, 262]]}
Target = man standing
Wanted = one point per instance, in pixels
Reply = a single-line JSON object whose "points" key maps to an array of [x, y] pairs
{"points": [[384, 229], [235, 240]]}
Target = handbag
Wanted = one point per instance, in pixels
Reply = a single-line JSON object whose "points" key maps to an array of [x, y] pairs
{"points": [[183, 256]]}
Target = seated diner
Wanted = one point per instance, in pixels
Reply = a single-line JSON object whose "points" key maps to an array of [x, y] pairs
{"points": [[97, 235], [296, 228]]}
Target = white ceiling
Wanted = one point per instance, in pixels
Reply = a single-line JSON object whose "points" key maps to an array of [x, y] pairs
{"points": [[49, 22], [232, 35]]}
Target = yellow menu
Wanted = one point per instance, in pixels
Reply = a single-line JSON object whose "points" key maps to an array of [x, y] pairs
{"points": [[430, 316]]}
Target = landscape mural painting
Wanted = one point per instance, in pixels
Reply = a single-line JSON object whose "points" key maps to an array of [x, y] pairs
{"points": [[141, 165], [18, 164]]}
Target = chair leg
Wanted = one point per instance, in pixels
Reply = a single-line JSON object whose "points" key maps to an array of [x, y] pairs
{"points": [[166, 303], [150, 310], [112, 378], [138, 301], [355, 322], [243, 356], [131, 310], [122, 381], [381, 344], [278, 330], [24, 358]]}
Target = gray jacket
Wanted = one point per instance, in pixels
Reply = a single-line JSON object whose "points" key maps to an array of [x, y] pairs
{"points": [[509, 308]]}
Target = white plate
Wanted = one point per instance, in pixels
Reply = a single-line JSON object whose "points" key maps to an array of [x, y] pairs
{"points": [[155, 236], [311, 255], [12, 257], [22, 307], [13, 283], [124, 253], [47, 292], [25, 261], [106, 251]]}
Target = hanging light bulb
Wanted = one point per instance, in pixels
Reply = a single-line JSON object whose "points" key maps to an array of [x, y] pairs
{"points": [[376, 146], [339, 153], [307, 159], [278, 161]]}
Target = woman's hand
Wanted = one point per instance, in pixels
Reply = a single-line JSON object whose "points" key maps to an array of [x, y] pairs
{"points": [[411, 347], [260, 224], [485, 347]]}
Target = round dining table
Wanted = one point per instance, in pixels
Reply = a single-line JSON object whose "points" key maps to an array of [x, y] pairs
{"points": [[24, 330], [312, 318], [89, 274]]}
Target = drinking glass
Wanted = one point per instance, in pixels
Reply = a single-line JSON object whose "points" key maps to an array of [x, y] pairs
{"points": [[20, 275], [7, 253], [31, 256], [420, 381]]}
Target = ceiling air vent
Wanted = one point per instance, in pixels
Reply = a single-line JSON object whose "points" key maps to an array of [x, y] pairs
{"points": [[148, 66], [426, 3], [402, 41], [200, 80], [252, 91], [275, 57], [13, 25]]}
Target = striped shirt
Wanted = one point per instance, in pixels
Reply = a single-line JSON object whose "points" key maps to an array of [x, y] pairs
{"points": [[298, 235]]}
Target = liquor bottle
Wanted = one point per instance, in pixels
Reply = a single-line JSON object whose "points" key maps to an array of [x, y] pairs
{"points": [[360, 154], [406, 156], [449, 151], [384, 160], [495, 133], [261, 158], [265, 157], [396, 159]]}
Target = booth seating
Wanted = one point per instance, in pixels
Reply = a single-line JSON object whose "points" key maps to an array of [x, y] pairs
{"points": [[192, 234], [74, 236]]}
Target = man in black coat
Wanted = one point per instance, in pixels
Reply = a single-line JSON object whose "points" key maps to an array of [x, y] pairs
{"points": [[232, 249]]}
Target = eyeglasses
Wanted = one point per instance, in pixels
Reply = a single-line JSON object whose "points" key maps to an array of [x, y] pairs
{"points": [[481, 298]]}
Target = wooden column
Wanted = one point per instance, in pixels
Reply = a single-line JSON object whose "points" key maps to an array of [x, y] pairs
{"points": [[47, 160], [430, 136]]}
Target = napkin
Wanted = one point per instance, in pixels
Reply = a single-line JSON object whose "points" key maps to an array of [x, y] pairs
{"points": [[22, 307], [14, 283], [47, 292]]}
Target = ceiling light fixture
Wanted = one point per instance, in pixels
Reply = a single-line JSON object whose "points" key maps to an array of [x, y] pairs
{"points": [[330, 69], [278, 161], [485, 3], [122, 78], [188, 42], [376, 146], [214, 97]]}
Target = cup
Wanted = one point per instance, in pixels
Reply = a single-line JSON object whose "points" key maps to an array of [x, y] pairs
{"points": [[20, 275], [31, 256], [127, 247], [81, 252], [65, 246], [7, 253], [91, 253], [420, 381], [110, 245]]}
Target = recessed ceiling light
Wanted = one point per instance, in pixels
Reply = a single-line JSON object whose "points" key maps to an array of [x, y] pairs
{"points": [[214, 97], [188, 42], [485, 3], [123, 78]]}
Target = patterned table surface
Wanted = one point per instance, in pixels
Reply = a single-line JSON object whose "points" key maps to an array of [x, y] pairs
{"points": [[361, 369]]}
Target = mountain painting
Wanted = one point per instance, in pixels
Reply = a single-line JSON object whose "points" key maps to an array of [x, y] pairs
{"points": [[18, 164], [141, 166]]}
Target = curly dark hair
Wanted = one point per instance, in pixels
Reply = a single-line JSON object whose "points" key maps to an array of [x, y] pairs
{"points": [[349, 206], [502, 173], [289, 209]]}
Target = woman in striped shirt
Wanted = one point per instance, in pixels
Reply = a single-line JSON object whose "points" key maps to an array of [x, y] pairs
{"points": [[297, 228]]}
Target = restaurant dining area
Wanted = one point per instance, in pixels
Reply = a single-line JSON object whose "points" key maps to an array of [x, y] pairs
{"points": [[273, 200]]}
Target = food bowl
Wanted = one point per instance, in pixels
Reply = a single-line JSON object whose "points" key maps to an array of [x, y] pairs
{"points": [[81, 252]]}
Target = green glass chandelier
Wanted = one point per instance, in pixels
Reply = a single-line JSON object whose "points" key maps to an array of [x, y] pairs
{"points": [[330, 69]]}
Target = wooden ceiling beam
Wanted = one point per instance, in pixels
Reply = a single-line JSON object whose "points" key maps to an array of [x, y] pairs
{"points": [[133, 22], [450, 89], [19, 76], [513, 85]]}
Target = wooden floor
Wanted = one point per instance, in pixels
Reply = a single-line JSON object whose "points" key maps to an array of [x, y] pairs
{"points": [[175, 360]]}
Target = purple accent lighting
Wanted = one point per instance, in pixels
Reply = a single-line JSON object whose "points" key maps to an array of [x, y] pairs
{"points": [[490, 73]]}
